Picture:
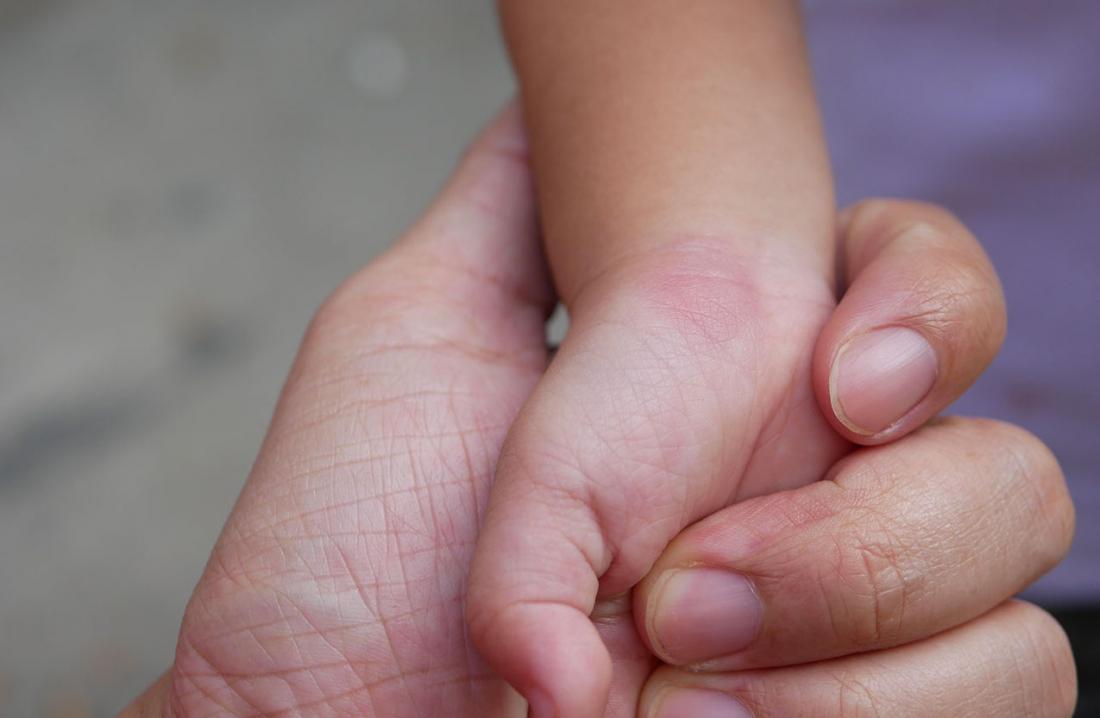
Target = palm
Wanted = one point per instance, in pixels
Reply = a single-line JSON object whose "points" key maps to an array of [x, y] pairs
{"points": [[338, 586]]}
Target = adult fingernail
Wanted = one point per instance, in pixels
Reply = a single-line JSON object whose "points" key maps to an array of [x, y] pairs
{"points": [[878, 377], [702, 613], [696, 703]]}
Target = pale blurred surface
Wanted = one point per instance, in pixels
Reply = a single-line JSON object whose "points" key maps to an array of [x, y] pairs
{"points": [[181, 183]]}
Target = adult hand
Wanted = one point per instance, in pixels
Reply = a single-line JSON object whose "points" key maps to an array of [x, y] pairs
{"points": [[920, 315], [686, 384], [882, 590], [337, 586]]}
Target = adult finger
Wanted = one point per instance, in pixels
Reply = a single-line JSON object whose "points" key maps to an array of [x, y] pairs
{"points": [[1013, 662], [922, 316], [902, 541]]}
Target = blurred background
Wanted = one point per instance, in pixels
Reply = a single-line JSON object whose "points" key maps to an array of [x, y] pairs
{"points": [[183, 181]]}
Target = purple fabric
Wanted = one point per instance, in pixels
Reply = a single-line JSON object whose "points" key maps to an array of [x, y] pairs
{"points": [[992, 108]]}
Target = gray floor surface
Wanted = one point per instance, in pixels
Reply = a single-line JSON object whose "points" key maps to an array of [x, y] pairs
{"points": [[181, 183]]}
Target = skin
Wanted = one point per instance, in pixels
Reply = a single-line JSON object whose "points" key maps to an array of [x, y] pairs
{"points": [[336, 587], [688, 220], [652, 124], [690, 240]]}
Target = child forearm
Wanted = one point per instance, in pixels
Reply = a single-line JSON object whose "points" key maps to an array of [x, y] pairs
{"points": [[653, 120]]}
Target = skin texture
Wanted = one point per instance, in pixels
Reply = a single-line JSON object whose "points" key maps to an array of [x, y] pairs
{"points": [[337, 585], [687, 209], [974, 669], [653, 123], [864, 561]]}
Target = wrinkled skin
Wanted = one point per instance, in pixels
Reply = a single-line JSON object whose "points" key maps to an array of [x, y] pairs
{"points": [[339, 584]]}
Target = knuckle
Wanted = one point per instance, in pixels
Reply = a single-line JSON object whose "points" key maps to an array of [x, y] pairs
{"points": [[874, 220], [868, 574], [1063, 527], [951, 289], [404, 283], [878, 215], [882, 586], [412, 299], [1028, 476], [350, 305], [855, 698], [866, 476], [958, 299], [330, 314], [868, 215], [1035, 479], [876, 581], [1046, 658]]}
